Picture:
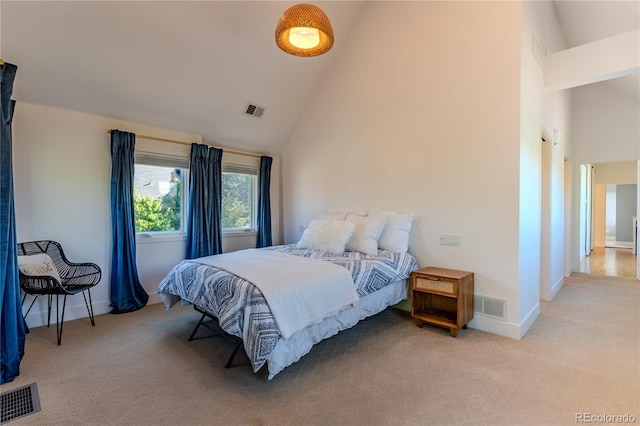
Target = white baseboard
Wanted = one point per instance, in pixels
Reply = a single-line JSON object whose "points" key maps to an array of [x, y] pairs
{"points": [[549, 294], [153, 299], [619, 244], [38, 315], [505, 328], [556, 288]]}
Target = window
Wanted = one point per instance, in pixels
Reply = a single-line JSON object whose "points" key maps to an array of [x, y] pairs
{"points": [[160, 191], [161, 195], [239, 197]]}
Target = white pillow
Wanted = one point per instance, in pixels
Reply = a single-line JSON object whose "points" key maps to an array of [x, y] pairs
{"points": [[39, 265], [327, 235], [368, 230], [395, 236]]}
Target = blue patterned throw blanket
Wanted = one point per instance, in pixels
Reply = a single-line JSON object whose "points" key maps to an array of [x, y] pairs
{"points": [[240, 306]]}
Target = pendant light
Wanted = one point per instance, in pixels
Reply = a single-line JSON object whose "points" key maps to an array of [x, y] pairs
{"points": [[304, 30]]}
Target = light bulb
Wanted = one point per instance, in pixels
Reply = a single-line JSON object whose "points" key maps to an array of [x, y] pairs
{"points": [[304, 37]]}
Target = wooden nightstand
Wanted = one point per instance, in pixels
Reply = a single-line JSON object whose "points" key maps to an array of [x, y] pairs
{"points": [[442, 297]]}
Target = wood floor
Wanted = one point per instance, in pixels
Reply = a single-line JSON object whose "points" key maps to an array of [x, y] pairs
{"points": [[617, 262]]}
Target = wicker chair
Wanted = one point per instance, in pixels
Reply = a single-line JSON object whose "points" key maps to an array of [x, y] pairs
{"points": [[74, 278]]}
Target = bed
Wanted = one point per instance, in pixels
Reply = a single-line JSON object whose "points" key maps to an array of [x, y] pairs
{"points": [[229, 288]]}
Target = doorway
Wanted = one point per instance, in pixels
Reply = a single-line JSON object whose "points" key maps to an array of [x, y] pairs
{"points": [[608, 206], [620, 215]]}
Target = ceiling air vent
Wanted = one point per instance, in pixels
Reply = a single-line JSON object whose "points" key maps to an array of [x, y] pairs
{"points": [[254, 110]]}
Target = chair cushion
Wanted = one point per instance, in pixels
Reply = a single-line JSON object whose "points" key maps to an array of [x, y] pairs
{"points": [[38, 265]]}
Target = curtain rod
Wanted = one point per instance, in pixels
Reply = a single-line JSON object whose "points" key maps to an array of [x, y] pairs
{"points": [[154, 138]]}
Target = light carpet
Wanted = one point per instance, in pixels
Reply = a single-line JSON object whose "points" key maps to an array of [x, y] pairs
{"points": [[580, 358]]}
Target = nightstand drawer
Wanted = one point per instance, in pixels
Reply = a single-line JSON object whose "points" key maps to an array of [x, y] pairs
{"points": [[436, 284]]}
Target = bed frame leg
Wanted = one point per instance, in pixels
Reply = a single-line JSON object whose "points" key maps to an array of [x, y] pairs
{"points": [[233, 354], [197, 327], [218, 331]]}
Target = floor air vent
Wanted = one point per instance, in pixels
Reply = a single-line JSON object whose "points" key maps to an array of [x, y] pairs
{"points": [[19, 402], [254, 110], [491, 307]]}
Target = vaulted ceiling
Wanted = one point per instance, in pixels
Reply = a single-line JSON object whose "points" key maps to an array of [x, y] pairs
{"points": [[190, 66], [587, 21], [194, 66]]}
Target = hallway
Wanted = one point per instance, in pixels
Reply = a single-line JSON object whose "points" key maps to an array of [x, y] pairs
{"points": [[617, 262]]}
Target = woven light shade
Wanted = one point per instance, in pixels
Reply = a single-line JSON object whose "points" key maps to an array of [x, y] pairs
{"points": [[304, 30]]}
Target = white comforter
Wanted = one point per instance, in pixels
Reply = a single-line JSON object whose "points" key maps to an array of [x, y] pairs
{"points": [[299, 291]]}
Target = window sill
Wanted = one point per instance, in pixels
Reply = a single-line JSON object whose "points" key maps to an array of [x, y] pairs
{"points": [[151, 238], [235, 234]]}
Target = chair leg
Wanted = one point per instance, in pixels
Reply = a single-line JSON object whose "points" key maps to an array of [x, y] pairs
{"points": [[60, 323], [49, 316], [24, 317], [35, 296], [89, 307]]}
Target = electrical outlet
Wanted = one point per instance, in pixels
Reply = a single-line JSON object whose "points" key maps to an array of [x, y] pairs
{"points": [[449, 239]]}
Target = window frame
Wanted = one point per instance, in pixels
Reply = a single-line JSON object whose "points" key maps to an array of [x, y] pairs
{"points": [[232, 167], [178, 155], [170, 161]]}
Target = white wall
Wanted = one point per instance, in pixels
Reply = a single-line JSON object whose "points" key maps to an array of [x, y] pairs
{"points": [[62, 168], [615, 173], [607, 128], [542, 174], [1, 34], [568, 215], [427, 125]]}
